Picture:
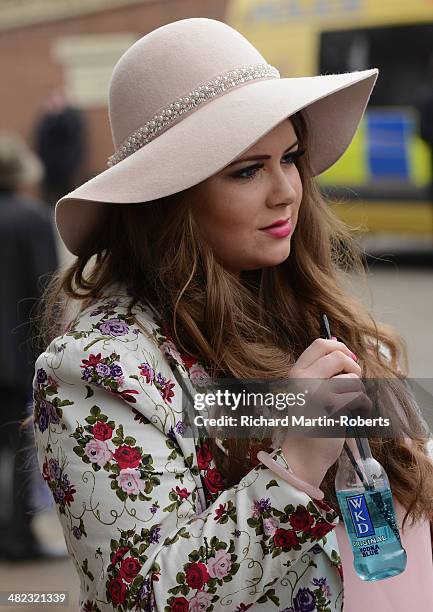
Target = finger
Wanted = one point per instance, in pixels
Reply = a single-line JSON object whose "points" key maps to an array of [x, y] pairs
{"points": [[339, 383], [349, 375], [321, 392], [335, 363], [334, 391], [319, 348], [323, 398], [345, 383], [350, 404]]}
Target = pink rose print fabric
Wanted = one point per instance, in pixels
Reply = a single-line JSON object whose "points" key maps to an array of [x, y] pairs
{"points": [[146, 515]]}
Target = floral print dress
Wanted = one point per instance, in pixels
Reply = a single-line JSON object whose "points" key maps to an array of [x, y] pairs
{"points": [[146, 517]]}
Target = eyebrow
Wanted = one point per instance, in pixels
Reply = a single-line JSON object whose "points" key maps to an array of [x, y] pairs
{"points": [[255, 157]]}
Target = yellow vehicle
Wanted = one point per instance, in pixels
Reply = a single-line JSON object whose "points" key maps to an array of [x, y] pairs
{"points": [[384, 175]]}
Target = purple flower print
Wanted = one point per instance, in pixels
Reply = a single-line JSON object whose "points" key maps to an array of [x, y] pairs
{"points": [[154, 535], [43, 420], [147, 372], [53, 415], [160, 380], [49, 410], [103, 370], [116, 371], [261, 506], [54, 469], [265, 504], [63, 491], [59, 495], [305, 601], [153, 508], [322, 584], [41, 376], [180, 428], [46, 406], [316, 549], [114, 327], [87, 374], [76, 532], [145, 589]]}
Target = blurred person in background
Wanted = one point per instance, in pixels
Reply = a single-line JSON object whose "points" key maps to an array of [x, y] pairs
{"points": [[28, 255], [60, 143]]}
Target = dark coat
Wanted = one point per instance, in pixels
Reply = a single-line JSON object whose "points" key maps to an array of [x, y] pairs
{"points": [[60, 143], [28, 252]]}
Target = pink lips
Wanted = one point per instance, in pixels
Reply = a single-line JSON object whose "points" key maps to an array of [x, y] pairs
{"points": [[280, 231]]}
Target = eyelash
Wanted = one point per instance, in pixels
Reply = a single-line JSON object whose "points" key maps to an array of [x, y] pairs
{"points": [[292, 156]]}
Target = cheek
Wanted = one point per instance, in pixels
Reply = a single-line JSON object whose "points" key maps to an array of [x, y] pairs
{"points": [[225, 218], [229, 240], [297, 186], [229, 233]]}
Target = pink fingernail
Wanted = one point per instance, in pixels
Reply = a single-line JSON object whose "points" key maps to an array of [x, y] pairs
{"points": [[333, 337], [354, 356]]}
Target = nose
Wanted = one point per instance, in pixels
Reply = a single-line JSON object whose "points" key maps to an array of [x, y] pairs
{"points": [[282, 190]]}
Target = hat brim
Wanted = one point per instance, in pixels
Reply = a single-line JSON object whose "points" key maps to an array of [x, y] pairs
{"points": [[215, 134]]}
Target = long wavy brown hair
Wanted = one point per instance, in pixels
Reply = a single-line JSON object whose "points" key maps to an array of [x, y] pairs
{"points": [[254, 326]]}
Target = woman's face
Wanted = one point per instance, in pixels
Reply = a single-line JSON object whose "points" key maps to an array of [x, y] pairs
{"points": [[233, 206]]}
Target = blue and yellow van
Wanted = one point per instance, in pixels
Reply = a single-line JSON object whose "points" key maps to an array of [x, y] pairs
{"points": [[383, 177]]}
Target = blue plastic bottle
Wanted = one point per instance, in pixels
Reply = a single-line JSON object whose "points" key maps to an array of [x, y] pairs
{"points": [[365, 499]]}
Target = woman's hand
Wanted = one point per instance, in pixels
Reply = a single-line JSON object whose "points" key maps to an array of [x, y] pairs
{"points": [[336, 384], [325, 359]]}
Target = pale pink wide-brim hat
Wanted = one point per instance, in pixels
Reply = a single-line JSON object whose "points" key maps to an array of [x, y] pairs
{"points": [[190, 97]]}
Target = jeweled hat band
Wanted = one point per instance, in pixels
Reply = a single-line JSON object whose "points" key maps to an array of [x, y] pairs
{"points": [[172, 113]]}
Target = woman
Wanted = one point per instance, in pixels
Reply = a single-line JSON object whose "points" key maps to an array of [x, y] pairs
{"points": [[186, 284]]}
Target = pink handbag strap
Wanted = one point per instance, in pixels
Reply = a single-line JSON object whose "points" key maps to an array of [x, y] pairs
{"points": [[289, 477]]}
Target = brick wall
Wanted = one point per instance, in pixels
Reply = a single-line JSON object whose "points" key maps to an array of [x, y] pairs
{"points": [[30, 70]]}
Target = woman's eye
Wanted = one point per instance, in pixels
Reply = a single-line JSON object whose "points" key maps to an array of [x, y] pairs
{"points": [[251, 171], [242, 174]]}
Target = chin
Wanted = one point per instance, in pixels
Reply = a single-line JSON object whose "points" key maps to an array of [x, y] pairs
{"points": [[269, 259], [278, 257], [269, 262]]}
